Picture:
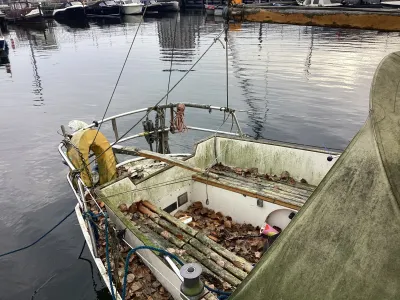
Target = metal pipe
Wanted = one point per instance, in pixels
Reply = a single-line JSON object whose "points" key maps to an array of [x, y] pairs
{"points": [[65, 157], [170, 105], [139, 135], [117, 116], [90, 229], [237, 124], [143, 158], [73, 189], [211, 130]]}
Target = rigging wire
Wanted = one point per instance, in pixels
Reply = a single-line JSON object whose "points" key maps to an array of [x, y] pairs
{"points": [[172, 59], [175, 85], [226, 62], [119, 76]]}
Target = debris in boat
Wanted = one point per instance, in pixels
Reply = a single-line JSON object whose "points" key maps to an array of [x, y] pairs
{"points": [[141, 283], [242, 239], [133, 208], [123, 207], [219, 168]]}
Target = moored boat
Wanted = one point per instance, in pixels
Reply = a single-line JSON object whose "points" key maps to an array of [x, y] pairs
{"points": [[3, 23], [152, 6], [210, 9], [3, 47], [129, 7], [103, 9], [228, 176], [24, 13], [71, 10], [168, 6], [218, 10]]}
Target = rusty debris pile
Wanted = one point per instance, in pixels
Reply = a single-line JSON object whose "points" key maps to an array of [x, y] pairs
{"points": [[242, 239]]}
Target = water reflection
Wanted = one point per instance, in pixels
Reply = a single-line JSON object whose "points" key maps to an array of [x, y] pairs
{"points": [[178, 35], [257, 103]]}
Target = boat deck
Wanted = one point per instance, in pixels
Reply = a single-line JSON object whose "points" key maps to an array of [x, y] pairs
{"points": [[221, 267], [283, 191]]}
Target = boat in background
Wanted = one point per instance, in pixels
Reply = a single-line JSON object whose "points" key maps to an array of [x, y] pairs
{"points": [[4, 50], [71, 10], [3, 47], [168, 6], [218, 10], [3, 23], [152, 6], [24, 13], [210, 9], [105, 8], [130, 7]]}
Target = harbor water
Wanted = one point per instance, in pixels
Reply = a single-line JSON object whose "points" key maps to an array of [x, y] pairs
{"points": [[292, 83]]}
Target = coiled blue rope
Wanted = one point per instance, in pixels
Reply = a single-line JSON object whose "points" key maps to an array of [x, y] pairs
{"points": [[39, 239]]}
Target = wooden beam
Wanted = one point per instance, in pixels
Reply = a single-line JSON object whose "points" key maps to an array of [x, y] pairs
{"points": [[165, 158], [239, 190]]}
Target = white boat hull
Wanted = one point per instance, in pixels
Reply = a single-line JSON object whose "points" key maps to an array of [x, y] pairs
{"points": [[129, 9]]}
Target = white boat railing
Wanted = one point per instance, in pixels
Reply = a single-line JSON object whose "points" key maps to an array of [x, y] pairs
{"points": [[171, 106]]}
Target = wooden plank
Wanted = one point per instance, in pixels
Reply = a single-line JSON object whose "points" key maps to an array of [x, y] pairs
{"points": [[169, 160], [218, 259], [189, 230], [270, 191], [297, 188], [243, 192], [238, 261], [164, 233]]}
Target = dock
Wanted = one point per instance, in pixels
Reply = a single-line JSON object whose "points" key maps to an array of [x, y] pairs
{"points": [[384, 19]]}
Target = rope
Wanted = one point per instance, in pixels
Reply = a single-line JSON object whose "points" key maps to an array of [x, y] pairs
{"points": [[39, 239], [226, 58], [179, 120], [133, 250], [92, 218], [108, 261], [119, 77], [172, 59], [176, 84]]}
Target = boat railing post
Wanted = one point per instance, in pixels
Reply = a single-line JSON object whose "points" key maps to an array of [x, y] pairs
{"points": [[85, 208], [237, 124], [115, 128]]}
